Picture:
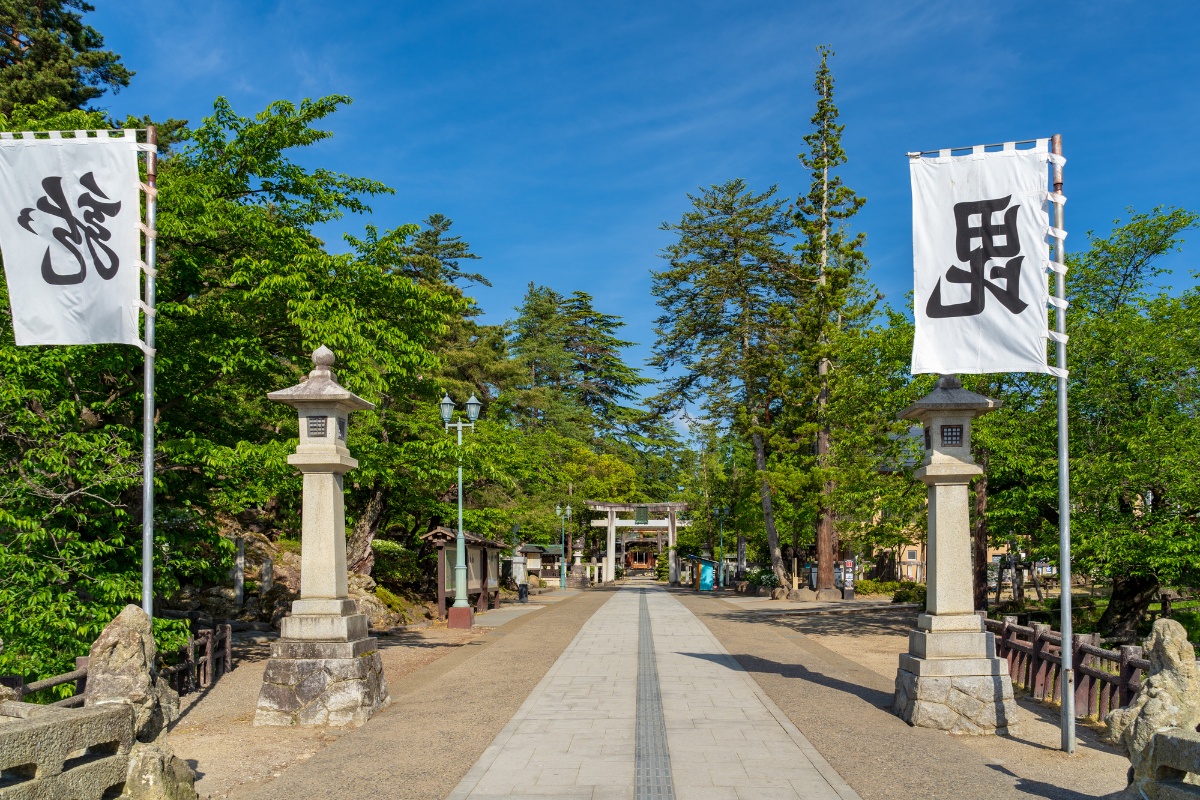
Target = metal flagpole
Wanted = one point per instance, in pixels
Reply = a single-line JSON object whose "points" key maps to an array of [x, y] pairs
{"points": [[148, 393], [1064, 476]]}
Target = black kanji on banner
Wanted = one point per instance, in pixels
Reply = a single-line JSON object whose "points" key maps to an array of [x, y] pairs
{"points": [[996, 241], [90, 230]]}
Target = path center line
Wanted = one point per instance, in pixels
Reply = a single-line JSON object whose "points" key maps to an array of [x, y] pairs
{"points": [[652, 759]]}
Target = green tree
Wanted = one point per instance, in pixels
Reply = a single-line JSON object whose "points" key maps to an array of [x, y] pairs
{"points": [[47, 53], [600, 379], [246, 292], [719, 337], [1134, 398], [834, 261], [435, 257]]}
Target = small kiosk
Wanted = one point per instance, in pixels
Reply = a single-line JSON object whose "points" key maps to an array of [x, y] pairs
{"points": [[483, 568], [703, 573]]}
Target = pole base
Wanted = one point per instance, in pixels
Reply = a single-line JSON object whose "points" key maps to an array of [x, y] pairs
{"points": [[463, 618]]}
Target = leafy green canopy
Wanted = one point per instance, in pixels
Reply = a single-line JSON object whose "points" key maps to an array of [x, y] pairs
{"points": [[1135, 443], [246, 292]]}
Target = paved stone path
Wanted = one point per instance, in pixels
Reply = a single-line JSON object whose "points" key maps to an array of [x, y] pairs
{"points": [[590, 729]]}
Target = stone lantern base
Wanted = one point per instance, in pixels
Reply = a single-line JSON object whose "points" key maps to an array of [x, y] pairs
{"points": [[577, 577], [952, 680], [316, 682]]}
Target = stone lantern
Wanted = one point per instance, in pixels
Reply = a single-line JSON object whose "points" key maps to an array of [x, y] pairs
{"points": [[325, 669], [950, 678]]}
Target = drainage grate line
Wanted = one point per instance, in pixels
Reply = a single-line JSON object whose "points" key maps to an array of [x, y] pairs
{"points": [[652, 759]]}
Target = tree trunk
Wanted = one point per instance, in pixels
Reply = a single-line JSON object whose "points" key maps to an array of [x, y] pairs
{"points": [[825, 533], [760, 459], [979, 538], [1131, 598], [360, 557]]}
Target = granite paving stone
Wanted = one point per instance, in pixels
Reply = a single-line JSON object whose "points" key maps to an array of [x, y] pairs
{"points": [[574, 736]]}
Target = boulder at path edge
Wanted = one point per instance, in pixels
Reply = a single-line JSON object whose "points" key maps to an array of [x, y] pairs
{"points": [[121, 669], [1169, 698]]}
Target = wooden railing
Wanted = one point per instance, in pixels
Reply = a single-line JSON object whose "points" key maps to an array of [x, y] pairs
{"points": [[199, 663], [1104, 679]]}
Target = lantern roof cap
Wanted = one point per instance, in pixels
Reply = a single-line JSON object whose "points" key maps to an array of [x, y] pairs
{"points": [[321, 387], [950, 397]]}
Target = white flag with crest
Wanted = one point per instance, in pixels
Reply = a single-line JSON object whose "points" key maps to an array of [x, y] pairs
{"points": [[980, 257], [69, 220]]}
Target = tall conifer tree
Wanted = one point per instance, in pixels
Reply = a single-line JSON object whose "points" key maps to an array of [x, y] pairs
{"points": [[729, 275], [835, 262]]}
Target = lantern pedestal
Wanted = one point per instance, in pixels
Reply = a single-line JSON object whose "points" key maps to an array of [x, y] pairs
{"points": [[325, 669], [950, 678]]}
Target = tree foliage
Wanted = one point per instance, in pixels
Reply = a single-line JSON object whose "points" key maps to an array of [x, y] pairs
{"points": [[48, 54]]}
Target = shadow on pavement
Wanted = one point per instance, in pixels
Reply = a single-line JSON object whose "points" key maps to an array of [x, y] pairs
{"points": [[865, 622], [1049, 790], [754, 664]]}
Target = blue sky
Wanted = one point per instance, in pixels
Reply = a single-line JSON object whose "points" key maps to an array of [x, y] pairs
{"points": [[559, 135]]}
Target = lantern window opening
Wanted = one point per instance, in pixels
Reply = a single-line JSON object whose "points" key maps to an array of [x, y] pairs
{"points": [[952, 435], [317, 427]]}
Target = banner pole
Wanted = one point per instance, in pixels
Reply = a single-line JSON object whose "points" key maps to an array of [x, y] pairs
{"points": [[1064, 476], [148, 377]]}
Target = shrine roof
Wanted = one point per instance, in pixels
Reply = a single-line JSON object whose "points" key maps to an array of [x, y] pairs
{"points": [[446, 535]]}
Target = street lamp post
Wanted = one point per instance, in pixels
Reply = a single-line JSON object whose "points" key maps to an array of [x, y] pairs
{"points": [[562, 518], [460, 613], [721, 536]]}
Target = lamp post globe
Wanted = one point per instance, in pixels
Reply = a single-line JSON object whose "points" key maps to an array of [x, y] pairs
{"points": [[447, 408], [473, 406]]}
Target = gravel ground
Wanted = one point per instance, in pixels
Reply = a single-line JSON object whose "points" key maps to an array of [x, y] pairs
{"points": [[441, 719], [216, 735], [833, 675]]}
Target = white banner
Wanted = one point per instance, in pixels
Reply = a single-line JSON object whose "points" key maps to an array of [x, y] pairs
{"points": [[979, 261], [69, 220]]}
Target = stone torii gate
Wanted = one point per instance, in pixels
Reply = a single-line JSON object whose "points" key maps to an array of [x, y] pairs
{"points": [[669, 522]]}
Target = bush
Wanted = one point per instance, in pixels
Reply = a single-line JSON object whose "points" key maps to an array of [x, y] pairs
{"points": [[869, 586], [392, 601], [396, 565], [618, 572], [662, 567], [763, 576], [909, 592]]}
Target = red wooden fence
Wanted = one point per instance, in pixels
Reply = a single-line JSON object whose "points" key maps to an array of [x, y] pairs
{"points": [[1104, 679]]}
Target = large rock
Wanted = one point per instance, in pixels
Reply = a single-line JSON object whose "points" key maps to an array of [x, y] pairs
{"points": [[361, 589], [277, 603], [779, 593], [1169, 698], [156, 773], [121, 669]]}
